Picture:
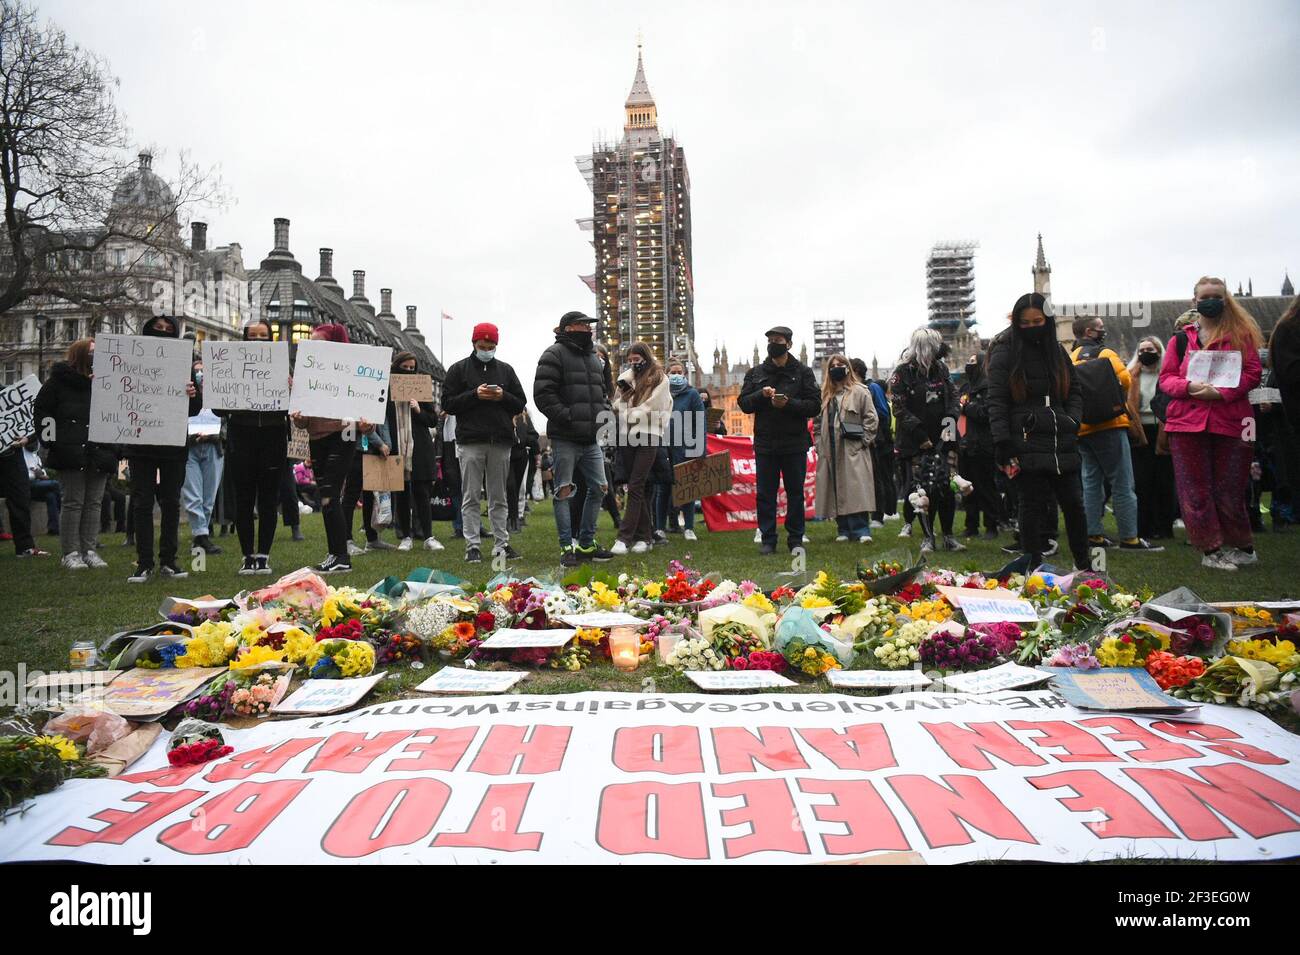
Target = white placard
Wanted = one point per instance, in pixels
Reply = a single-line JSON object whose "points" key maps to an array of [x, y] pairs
{"points": [[508, 639], [1004, 677], [16, 410], [737, 679], [326, 696], [603, 619], [1264, 396], [979, 610], [458, 680], [246, 376], [138, 395], [205, 423], [1172, 614], [876, 679], [1222, 369], [334, 380]]}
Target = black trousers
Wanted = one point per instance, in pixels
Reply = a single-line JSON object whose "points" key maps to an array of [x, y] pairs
{"points": [[416, 501], [331, 458], [289, 498], [255, 464], [637, 525], [514, 481], [16, 488], [150, 479], [980, 470], [112, 510], [771, 471], [353, 492], [1036, 489], [1153, 480]]}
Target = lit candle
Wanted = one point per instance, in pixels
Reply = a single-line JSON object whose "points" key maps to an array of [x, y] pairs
{"points": [[625, 647]]}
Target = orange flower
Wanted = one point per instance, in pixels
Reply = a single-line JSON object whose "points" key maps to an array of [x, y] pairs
{"points": [[464, 631]]}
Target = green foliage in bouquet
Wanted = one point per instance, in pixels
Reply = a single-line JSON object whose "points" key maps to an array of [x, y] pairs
{"points": [[33, 765]]}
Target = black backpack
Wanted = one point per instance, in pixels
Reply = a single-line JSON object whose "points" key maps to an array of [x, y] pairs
{"points": [[1104, 397], [1160, 400]]}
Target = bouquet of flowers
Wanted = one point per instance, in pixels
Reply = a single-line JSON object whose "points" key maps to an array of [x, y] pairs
{"points": [[809, 658], [255, 694], [1005, 635], [1076, 655], [428, 620], [694, 654], [758, 660], [867, 624], [336, 659], [1193, 635], [31, 765], [457, 640], [1043, 639], [212, 645], [1129, 648], [195, 741], [968, 650], [347, 603], [396, 646], [1281, 653], [1236, 680], [573, 657], [1172, 671], [881, 568], [345, 630], [734, 639], [212, 704], [303, 591]]}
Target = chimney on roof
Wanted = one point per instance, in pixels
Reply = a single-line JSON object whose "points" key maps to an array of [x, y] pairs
{"points": [[281, 236], [146, 159], [385, 301], [327, 263], [358, 283], [198, 236], [411, 326]]}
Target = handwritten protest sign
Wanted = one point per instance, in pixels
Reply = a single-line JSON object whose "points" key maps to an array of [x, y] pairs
{"points": [[699, 478], [139, 391], [875, 679], [299, 444], [603, 619], [142, 694], [737, 679], [1003, 677], [508, 638], [334, 380], [246, 376], [412, 388], [382, 474], [1222, 369], [460, 680], [16, 410], [326, 696]]}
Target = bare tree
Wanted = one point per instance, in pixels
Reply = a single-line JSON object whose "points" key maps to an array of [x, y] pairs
{"points": [[64, 150]]}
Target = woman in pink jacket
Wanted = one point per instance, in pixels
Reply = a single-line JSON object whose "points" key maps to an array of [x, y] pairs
{"points": [[1211, 429]]}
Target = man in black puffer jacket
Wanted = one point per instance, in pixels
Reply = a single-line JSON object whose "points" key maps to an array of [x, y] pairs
{"points": [[1035, 404], [571, 389]]}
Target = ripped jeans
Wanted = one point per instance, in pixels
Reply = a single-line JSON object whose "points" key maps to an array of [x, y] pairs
{"points": [[587, 459]]}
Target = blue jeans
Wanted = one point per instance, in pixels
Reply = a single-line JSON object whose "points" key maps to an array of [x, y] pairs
{"points": [[587, 460], [1106, 457], [854, 526], [202, 480]]}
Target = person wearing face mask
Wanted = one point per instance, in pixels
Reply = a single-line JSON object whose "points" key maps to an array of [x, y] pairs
{"points": [[484, 394], [571, 389], [687, 437], [1153, 473], [157, 473], [1035, 405], [781, 394], [846, 484], [643, 406], [1210, 428], [409, 425]]}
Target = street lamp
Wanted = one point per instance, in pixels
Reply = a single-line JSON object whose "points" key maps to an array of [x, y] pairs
{"points": [[39, 319]]}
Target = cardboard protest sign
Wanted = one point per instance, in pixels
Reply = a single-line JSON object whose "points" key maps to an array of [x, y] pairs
{"points": [[412, 388], [334, 380], [698, 478], [246, 376], [461, 680], [656, 778], [603, 619], [299, 443], [1114, 688], [382, 474], [326, 696], [1222, 369], [138, 396], [141, 694], [16, 410]]}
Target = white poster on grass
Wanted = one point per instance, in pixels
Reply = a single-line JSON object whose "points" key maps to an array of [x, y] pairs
{"points": [[334, 380], [692, 778], [246, 376], [138, 394]]}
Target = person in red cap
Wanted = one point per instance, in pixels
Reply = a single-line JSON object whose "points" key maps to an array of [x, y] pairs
{"points": [[484, 394]]}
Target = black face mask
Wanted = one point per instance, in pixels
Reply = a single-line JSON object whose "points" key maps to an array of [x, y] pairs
{"points": [[776, 351], [1100, 336], [582, 339], [1148, 358], [639, 368], [839, 373], [1210, 307], [970, 368], [1034, 334]]}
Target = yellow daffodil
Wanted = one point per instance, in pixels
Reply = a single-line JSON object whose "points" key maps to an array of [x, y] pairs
{"points": [[66, 749], [654, 589]]}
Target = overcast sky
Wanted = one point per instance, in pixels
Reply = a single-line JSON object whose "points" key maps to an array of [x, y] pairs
{"points": [[829, 146]]}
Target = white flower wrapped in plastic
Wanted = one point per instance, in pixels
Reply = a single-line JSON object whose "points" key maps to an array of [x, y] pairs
{"points": [[900, 649], [557, 604], [428, 620], [872, 620], [761, 623], [694, 654]]}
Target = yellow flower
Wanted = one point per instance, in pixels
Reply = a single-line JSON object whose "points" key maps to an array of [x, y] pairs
{"points": [[1274, 653], [589, 634], [503, 596], [66, 749], [297, 644], [654, 589], [758, 601], [255, 655], [812, 603], [1113, 653], [330, 613]]}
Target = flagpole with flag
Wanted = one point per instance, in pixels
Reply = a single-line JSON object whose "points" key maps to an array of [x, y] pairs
{"points": [[441, 326]]}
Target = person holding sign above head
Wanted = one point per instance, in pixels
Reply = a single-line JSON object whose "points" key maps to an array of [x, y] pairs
{"points": [[158, 472], [62, 417], [408, 425], [484, 394], [257, 448], [1210, 423], [333, 446]]}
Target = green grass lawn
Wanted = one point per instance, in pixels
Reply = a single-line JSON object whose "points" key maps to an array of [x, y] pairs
{"points": [[54, 607]]}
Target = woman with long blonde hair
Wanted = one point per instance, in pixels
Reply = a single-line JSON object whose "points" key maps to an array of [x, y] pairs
{"points": [[643, 406], [1211, 427], [845, 428]]}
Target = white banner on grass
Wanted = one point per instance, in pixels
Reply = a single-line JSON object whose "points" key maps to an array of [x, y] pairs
{"points": [[334, 380], [651, 778], [139, 395], [246, 376]]}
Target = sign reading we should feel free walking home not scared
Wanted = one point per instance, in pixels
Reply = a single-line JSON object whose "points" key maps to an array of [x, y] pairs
{"points": [[246, 376], [138, 395], [334, 380]]}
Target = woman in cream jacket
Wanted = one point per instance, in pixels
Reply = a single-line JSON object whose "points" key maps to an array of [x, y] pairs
{"points": [[643, 405]]}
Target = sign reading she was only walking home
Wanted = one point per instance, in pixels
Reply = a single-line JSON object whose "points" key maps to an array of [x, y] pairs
{"points": [[138, 395], [334, 380], [16, 410], [246, 376]]}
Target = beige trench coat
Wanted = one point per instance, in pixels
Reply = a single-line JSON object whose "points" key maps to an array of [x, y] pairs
{"points": [[846, 482]]}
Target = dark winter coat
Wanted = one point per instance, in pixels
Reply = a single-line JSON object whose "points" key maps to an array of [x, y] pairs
{"points": [[424, 456], [925, 408], [978, 439], [479, 421], [571, 388], [1041, 432], [781, 430], [64, 402]]}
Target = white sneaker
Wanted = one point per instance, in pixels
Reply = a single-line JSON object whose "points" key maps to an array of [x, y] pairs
{"points": [[73, 562], [906, 531], [354, 550], [619, 549], [1178, 523], [758, 537], [304, 507], [640, 547], [94, 560], [689, 535], [432, 543], [865, 539], [841, 538], [876, 525], [1240, 557], [405, 544], [1218, 561]]}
